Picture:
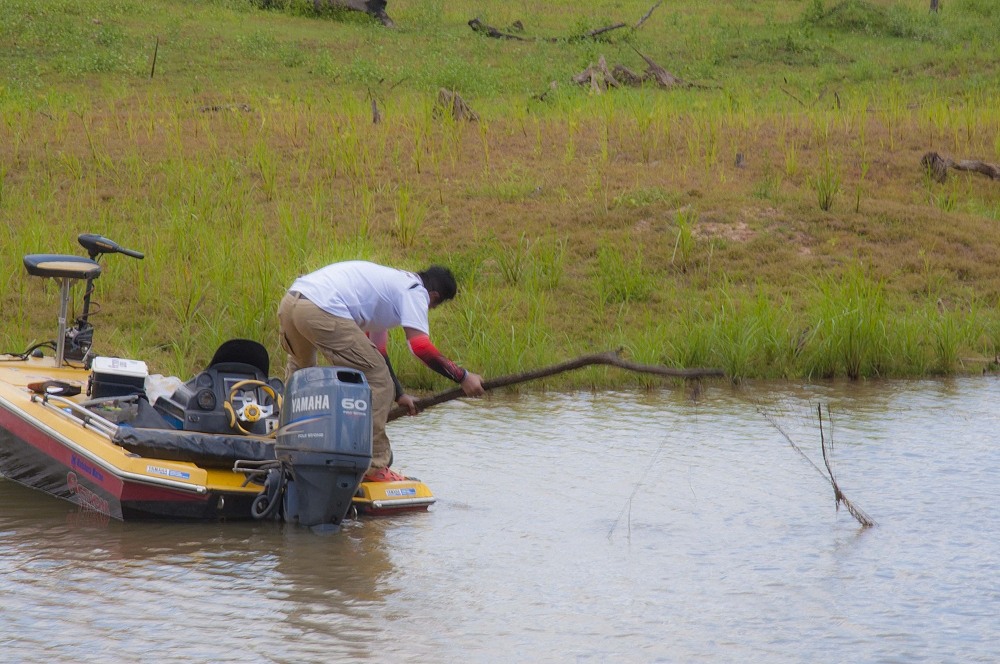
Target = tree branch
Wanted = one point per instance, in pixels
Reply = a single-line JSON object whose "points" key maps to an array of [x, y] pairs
{"points": [[490, 31], [608, 358]]}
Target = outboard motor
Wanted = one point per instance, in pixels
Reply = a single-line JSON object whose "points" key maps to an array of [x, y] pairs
{"points": [[324, 444]]}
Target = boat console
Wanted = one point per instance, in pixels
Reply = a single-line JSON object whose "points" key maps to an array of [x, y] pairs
{"points": [[234, 394]]}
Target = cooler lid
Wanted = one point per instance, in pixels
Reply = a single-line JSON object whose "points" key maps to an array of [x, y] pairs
{"points": [[119, 366]]}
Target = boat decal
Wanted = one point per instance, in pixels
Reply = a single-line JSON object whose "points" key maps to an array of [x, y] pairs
{"points": [[168, 472], [311, 402], [87, 498], [401, 492], [85, 466]]}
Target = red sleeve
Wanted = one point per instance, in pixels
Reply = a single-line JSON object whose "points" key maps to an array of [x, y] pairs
{"points": [[427, 353]]}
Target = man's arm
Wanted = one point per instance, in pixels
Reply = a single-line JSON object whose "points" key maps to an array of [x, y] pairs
{"points": [[421, 346]]}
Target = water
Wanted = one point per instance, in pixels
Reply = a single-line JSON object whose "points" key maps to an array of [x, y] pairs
{"points": [[569, 528]]}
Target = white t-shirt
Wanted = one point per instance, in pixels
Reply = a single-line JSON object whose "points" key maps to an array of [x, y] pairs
{"points": [[376, 297]]}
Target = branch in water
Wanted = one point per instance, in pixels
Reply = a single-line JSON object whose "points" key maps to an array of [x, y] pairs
{"points": [[859, 514], [609, 358]]}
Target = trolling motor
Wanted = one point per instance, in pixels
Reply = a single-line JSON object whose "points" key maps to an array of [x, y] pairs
{"points": [[74, 343]]}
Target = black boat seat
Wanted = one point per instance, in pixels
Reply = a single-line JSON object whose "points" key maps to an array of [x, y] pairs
{"points": [[209, 450], [60, 266]]}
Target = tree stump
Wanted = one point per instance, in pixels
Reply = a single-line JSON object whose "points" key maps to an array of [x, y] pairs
{"points": [[449, 101], [938, 166], [600, 78]]}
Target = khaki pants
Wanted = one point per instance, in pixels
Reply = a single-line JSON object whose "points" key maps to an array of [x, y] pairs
{"points": [[306, 329]]}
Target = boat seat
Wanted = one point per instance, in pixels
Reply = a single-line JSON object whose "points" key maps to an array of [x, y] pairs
{"points": [[60, 266]]}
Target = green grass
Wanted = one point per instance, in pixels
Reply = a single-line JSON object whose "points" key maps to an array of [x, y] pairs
{"points": [[575, 221]]}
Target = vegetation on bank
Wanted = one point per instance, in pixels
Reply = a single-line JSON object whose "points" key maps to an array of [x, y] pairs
{"points": [[772, 220]]}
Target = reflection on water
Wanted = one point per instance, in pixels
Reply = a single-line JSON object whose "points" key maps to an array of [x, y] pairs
{"points": [[580, 527]]}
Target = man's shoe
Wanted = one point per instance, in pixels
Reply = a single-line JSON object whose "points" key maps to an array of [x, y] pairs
{"points": [[384, 475]]}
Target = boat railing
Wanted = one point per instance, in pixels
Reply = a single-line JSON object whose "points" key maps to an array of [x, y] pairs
{"points": [[73, 411]]}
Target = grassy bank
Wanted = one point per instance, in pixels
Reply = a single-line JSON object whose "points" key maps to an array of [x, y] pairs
{"points": [[773, 219]]}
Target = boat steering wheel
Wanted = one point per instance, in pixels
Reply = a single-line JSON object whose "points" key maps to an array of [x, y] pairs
{"points": [[251, 411]]}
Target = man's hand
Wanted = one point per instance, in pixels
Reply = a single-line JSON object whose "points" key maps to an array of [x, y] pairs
{"points": [[408, 402], [472, 385]]}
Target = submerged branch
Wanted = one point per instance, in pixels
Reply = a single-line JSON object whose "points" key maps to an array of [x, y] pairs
{"points": [[838, 495], [859, 514], [608, 358]]}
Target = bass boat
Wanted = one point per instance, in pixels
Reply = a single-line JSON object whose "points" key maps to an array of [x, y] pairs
{"points": [[232, 442]]}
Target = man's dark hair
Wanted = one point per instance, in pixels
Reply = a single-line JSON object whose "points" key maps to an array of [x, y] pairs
{"points": [[440, 279]]}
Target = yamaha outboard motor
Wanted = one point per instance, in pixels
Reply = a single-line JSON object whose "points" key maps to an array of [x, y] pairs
{"points": [[324, 443]]}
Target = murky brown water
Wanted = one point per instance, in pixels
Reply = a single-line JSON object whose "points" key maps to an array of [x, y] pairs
{"points": [[583, 527]]}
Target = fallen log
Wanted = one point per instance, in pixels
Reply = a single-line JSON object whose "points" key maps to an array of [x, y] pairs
{"points": [[490, 31], [938, 166], [609, 358]]}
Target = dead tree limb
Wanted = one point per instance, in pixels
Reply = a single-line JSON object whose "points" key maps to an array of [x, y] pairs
{"points": [[862, 518], [661, 76], [490, 31], [801, 103], [617, 26], [647, 15], [608, 358], [599, 31], [938, 166], [838, 495]]}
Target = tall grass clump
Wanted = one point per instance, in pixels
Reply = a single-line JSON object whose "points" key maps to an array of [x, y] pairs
{"points": [[511, 259], [684, 241], [826, 182], [621, 279], [538, 263], [409, 217], [953, 332], [848, 328], [548, 264], [752, 336], [690, 342]]}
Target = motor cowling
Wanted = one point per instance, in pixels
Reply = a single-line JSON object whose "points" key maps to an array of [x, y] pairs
{"points": [[324, 443]]}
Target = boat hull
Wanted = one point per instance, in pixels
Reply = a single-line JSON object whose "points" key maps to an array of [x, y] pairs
{"points": [[33, 455]]}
